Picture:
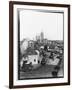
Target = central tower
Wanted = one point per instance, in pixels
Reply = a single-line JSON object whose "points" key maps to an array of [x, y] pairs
{"points": [[42, 36]]}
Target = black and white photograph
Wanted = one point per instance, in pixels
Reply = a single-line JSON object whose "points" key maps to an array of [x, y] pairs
{"points": [[41, 44], [39, 40]]}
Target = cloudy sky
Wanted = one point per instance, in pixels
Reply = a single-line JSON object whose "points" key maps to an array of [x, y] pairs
{"points": [[33, 22]]}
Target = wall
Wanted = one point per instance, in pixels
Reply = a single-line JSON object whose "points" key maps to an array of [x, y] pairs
{"points": [[4, 45]]}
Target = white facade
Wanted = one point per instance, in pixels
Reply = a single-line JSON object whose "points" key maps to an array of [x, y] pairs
{"points": [[33, 59]]}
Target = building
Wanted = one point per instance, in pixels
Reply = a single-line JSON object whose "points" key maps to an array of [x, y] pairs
{"points": [[32, 58], [45, 41], [41, 36], [37, 37], [31, 43]]}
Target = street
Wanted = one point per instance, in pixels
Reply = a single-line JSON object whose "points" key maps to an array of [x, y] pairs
{"points": [[41, 72]]}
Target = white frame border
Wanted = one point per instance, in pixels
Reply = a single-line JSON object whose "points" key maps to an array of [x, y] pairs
{"points": [[15, 58]]}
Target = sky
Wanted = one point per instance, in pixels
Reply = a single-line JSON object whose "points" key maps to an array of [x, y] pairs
{"points": [[33, 22]]}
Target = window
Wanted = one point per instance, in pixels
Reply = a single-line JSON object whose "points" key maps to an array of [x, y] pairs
{"points": [[34, 60], [38, 61]]}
